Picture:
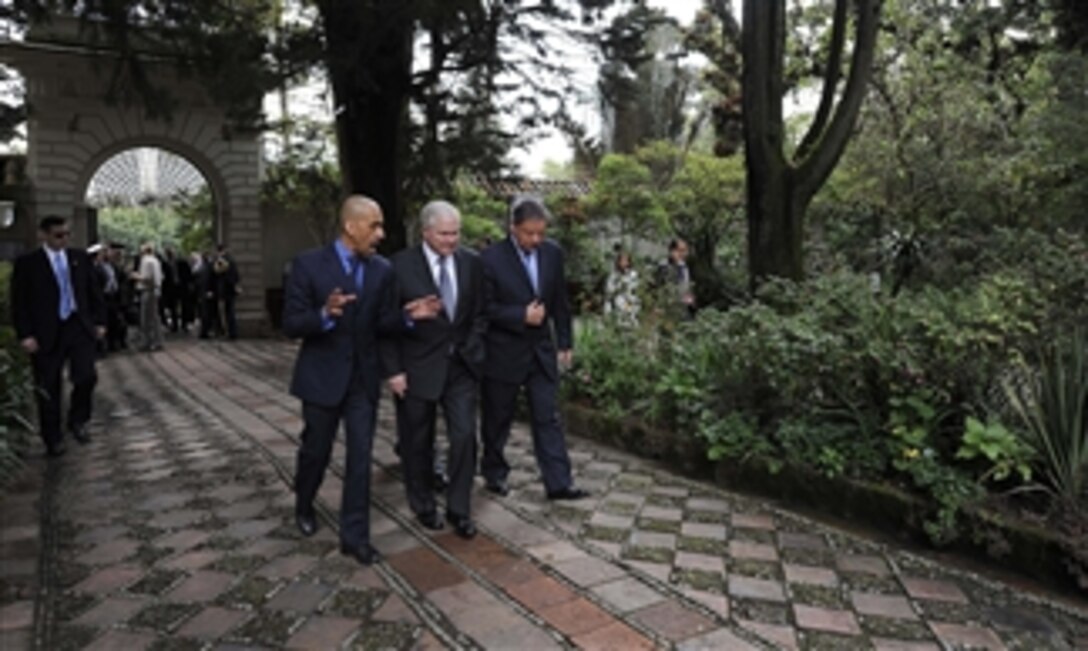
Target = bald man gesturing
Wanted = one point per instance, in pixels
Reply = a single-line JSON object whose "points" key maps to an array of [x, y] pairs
{"points": [[339, 298]]}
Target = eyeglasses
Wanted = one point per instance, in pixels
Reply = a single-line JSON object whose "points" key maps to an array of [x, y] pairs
{"points": [[59, 235]]}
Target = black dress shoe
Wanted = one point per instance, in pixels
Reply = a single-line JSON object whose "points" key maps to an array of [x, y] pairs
{"points": [[81, 433], [56, 450], [439, 482], [364, 553], [307, 523], [568, 493], [499, 487], [430, 520], [462, 525]]}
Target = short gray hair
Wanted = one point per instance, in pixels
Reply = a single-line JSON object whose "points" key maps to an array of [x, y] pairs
{"points": [[435, 209], [525, 207]]}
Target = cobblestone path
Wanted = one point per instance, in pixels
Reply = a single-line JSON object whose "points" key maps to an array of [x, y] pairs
{"points": [[174, 529]]}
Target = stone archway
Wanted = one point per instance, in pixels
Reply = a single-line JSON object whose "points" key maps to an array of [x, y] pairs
{"points": [[72, 129]]}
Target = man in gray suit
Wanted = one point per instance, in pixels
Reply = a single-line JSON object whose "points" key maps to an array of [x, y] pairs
{"points": [[437, 361]]}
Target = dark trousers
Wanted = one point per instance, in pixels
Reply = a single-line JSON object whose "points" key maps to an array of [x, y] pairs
{"points": [[76, 347], [168, 309], [229, 316], [358, 413], [116, 328], [416, 434], [188, 309], [549, 446], [210, 322]]}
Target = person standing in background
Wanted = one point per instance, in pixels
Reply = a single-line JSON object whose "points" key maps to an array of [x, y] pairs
{"points": [[673, 279], [227, 279], [170, 296], [186, 293], [148, 280], [621, 300], [207, 302], [107, 283]]}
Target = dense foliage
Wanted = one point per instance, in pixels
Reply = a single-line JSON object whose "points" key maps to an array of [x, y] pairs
{"points": [[185, 223], [16, 388], [831, 375]]}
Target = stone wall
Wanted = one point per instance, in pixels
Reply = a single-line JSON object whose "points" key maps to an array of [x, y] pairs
{"points": [[73, 129]]}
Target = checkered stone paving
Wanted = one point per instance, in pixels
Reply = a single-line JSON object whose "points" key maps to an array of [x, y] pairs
{"points": [[174, 529]]}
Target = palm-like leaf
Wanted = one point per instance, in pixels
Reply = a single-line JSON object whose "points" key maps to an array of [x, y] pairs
{"points": [[1052, 405]]}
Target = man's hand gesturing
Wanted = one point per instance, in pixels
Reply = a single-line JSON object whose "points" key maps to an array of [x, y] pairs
{"points": [[334, 304]]}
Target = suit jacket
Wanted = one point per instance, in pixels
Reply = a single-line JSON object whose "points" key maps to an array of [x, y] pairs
{"points": [[512, 346], [327, 359], [35, 296], [424, 349]]}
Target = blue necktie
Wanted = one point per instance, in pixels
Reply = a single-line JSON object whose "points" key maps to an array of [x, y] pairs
{"points": [[358, 273], [530, 268], [67, 302]]}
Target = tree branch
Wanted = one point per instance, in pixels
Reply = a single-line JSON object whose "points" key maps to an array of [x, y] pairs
{"points": [[831, 80], [814, 170]]}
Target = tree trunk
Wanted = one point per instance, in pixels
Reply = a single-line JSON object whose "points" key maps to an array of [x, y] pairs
{"points": [[775, 226], [370, 65], [780, 189]]}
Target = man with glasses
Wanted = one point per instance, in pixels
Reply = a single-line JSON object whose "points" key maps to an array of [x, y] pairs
{"points": [[59, 313]]}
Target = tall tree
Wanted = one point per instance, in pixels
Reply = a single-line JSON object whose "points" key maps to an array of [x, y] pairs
{"points": [[643, 85], [367, 49], [715, 34], [781, 184]]}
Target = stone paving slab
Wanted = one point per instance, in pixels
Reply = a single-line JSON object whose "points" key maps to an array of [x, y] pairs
{"points": [[174, 529]]}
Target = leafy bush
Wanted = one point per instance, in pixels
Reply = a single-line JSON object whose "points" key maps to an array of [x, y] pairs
{"points": [[830, 375], [5, 294], [1052, 406], [16, 389]]}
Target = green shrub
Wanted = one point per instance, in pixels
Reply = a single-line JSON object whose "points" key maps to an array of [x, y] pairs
{"points": [[16, 388], [1052, 405], [5, 294], [612, 368], [831, 375]]}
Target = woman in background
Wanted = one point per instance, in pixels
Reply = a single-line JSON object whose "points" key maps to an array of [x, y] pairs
{"points": [[621, 301]]}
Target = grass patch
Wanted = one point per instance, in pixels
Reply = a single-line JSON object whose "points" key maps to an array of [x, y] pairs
{"points": [[269, 627], [357, 604], [659, 526], [156, 582], [700, 580], [163, 617], [650, 554]]}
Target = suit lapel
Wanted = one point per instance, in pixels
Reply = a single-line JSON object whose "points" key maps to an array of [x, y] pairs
{"points": [[462, 282], [423, 270], [335, 269], [45, 266], [516, 260]]}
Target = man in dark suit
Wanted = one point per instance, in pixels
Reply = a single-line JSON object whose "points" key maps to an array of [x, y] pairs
{"points": [[59, 313], [437, 360], [335, 302], [673, 280], [526, 301]]}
